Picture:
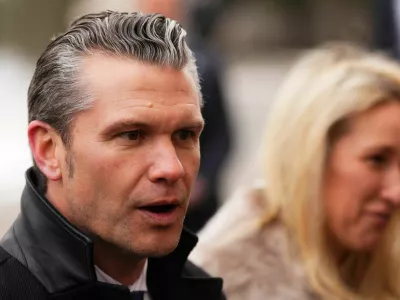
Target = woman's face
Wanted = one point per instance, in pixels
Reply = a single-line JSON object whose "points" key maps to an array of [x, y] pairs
{"points": [[362, 179]]}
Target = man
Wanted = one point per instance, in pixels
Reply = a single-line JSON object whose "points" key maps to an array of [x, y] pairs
{"points": [[114, 111]]}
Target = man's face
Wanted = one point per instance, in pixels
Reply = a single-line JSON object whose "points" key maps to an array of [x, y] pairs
{"points": [[134, 155]]}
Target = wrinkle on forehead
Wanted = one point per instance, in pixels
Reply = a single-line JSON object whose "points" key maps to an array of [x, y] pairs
{"points": [[144, 89], [157, 106], [157, 98], [142, 96], [149, 107]]}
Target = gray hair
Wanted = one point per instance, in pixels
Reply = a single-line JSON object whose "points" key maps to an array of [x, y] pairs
{"points": [[56, 94]]}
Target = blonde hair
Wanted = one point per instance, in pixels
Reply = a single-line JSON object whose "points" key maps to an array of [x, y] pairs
{"points": [[325, 88]]}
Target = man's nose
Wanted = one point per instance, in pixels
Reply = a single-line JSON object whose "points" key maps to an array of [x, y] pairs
{"points": [[166, 165]]}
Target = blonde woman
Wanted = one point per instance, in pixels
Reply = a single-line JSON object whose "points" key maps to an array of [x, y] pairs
{"points": [[327, 224]]}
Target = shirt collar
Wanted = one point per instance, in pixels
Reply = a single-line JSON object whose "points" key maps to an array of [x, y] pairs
{"points": [[139, 285]]}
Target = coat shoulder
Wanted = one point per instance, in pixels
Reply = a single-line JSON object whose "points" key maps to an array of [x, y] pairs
{"points": [[17, 282]]}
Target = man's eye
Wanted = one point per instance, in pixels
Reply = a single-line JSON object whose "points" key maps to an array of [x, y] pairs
{"points": [[186, 138], [132, 135], [185, 134]]}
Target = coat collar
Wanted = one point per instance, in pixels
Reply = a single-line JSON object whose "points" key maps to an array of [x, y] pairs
{"points": [[61, 256]]}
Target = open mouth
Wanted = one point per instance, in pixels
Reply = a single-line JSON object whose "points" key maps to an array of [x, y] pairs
{"points": [[161, 214], [160, 209]]}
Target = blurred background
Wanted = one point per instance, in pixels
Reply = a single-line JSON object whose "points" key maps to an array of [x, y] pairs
{"points": [[244, 48]]}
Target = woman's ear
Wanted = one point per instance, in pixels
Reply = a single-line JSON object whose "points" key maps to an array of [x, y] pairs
{"points": [[44, 143]]}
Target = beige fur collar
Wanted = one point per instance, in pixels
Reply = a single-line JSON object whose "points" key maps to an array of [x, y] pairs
{"points": [[253, 263]]}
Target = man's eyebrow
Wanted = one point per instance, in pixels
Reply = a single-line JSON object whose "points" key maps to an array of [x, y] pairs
{"points": [[195, 123], [122, 125]]}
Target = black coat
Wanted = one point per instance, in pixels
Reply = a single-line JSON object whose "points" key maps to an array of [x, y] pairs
{"points": [[43, 256]]}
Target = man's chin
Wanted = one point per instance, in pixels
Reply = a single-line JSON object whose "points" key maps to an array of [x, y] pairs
{"points": [[161, 249], [160, 253], [155, 247], [151, 243], [162, 243]]}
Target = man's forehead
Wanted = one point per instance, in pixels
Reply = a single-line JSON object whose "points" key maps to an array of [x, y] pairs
{"points": [[111, 66], [119, 78], [142, 97], [149, 108]]}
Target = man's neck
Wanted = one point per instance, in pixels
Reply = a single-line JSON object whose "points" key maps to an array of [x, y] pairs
{"points": [[118, 264]]}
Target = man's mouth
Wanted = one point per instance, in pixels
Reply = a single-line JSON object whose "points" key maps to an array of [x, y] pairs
{"points": [[162, 213], [159, 208]]}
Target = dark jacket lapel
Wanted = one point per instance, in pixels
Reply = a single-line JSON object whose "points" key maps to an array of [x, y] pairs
{"points": [[173, 277]]}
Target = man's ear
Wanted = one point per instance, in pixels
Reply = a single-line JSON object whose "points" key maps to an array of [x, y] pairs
{"points": [[45, 145]]}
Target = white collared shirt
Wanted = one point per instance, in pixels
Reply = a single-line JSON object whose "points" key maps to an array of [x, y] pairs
{"points": [[138, 285]]}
